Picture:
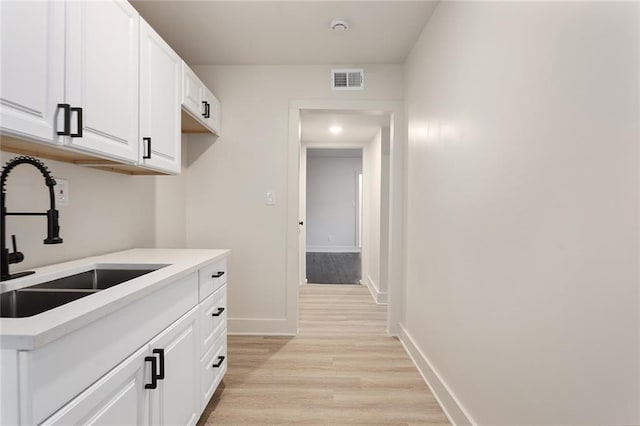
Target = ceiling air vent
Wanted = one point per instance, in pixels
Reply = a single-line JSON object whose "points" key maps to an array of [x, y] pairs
{"points": [[347, 79]]}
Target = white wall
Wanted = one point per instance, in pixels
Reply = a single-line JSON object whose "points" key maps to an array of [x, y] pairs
{"points": [[522, 223], [371, 187], [107, 212], [332, 196], [227, 179], [170, 206]]}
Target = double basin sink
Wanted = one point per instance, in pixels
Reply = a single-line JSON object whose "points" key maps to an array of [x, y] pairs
{"points": [[38, 298]]}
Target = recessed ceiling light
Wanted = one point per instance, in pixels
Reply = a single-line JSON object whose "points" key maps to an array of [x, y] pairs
{"points": [[335, 129], [339, 25]]}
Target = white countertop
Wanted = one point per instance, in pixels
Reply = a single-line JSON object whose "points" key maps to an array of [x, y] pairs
{"points": [[32, 332]]}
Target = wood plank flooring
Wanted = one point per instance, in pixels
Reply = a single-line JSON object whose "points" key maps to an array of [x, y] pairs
{"points": [[342, 368]]}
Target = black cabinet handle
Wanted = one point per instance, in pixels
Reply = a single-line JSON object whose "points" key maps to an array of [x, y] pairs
{"points": [[154, 376], [301, 223], [148, 154], [78, 111], [220, 361], [207, 110], [66, 131], [218, 274], [160, 352], [220, 311]]}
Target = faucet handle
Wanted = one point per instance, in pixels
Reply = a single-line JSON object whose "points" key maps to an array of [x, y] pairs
{"points": [[16, 256]]}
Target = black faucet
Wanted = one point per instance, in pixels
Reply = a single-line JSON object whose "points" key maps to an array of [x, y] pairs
{"points": [[53, 229]]}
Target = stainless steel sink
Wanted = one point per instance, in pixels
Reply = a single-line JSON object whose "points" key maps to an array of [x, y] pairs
{"points": [[27, 302], [42, 297], [95, 279]]}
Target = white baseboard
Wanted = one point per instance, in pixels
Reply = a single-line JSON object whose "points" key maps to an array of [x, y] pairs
{"points": [[380, 297], [332, 249], [262, 326], [450, 404]]}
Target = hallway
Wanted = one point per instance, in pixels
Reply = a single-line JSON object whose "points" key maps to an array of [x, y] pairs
{"points": [[341, 368]]}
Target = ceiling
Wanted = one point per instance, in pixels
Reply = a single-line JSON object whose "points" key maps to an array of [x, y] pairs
{"points": [[208, 32], [358, 127]]}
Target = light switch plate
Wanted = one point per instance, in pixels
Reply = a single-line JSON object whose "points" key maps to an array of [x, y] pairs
{"points": [[271, 198], [62, 192]]}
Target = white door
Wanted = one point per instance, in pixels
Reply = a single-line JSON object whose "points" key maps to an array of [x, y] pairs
{"points": [[31, 68], [160, 98], [102, 77], [119, 398], [176, 401]]}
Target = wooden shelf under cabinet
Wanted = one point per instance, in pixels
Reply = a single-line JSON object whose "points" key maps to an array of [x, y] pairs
{"points": [[59, 153]]}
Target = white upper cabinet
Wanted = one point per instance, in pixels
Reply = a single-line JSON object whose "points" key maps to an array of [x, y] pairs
{"points": [[160, 98], [31, 68], [212, 111], [192, 96], [199, 102], [102, 77], [94, 79]]}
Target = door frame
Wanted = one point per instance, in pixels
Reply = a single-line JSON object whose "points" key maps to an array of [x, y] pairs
{"points": [[397, 179]]}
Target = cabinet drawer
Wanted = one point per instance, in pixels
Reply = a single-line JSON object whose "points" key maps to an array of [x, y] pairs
{"points": [[213, 366], [212, 277], [213, 318]]}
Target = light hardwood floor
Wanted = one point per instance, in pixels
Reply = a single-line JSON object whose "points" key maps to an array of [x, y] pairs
{"points": [[342, 368]]}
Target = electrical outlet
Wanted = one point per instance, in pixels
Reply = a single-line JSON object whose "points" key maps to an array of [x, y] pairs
{"points": [[62, 192]]}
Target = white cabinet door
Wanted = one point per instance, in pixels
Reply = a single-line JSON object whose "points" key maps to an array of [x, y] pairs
{"points": [[118, 398], [102, 77], [176, 401], [160, 99], [212, 111], [31, 68], [192, 93]]}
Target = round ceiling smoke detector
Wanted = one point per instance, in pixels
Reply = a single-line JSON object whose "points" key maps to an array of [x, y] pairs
{"points": [[339, 25]]}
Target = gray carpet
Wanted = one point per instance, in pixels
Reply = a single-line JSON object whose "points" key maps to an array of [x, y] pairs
{"points": [[333, 268]]}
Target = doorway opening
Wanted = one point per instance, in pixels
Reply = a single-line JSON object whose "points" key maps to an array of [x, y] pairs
{"points": [[333, 215], [389, 263], [344, 198]]}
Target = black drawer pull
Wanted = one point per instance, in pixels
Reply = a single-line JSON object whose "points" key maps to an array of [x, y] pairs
{"points": [[207, 110], [220, 361], [218, 274], [220, 311], [148, 154], [160, 375], [78, 134], [154, 375], [66, 131]]}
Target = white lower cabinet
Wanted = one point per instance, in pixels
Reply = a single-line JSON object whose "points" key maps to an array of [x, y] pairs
{"points": [[157, 385], [213, 366], [175, 401], [168, 380], [119, 398]]}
